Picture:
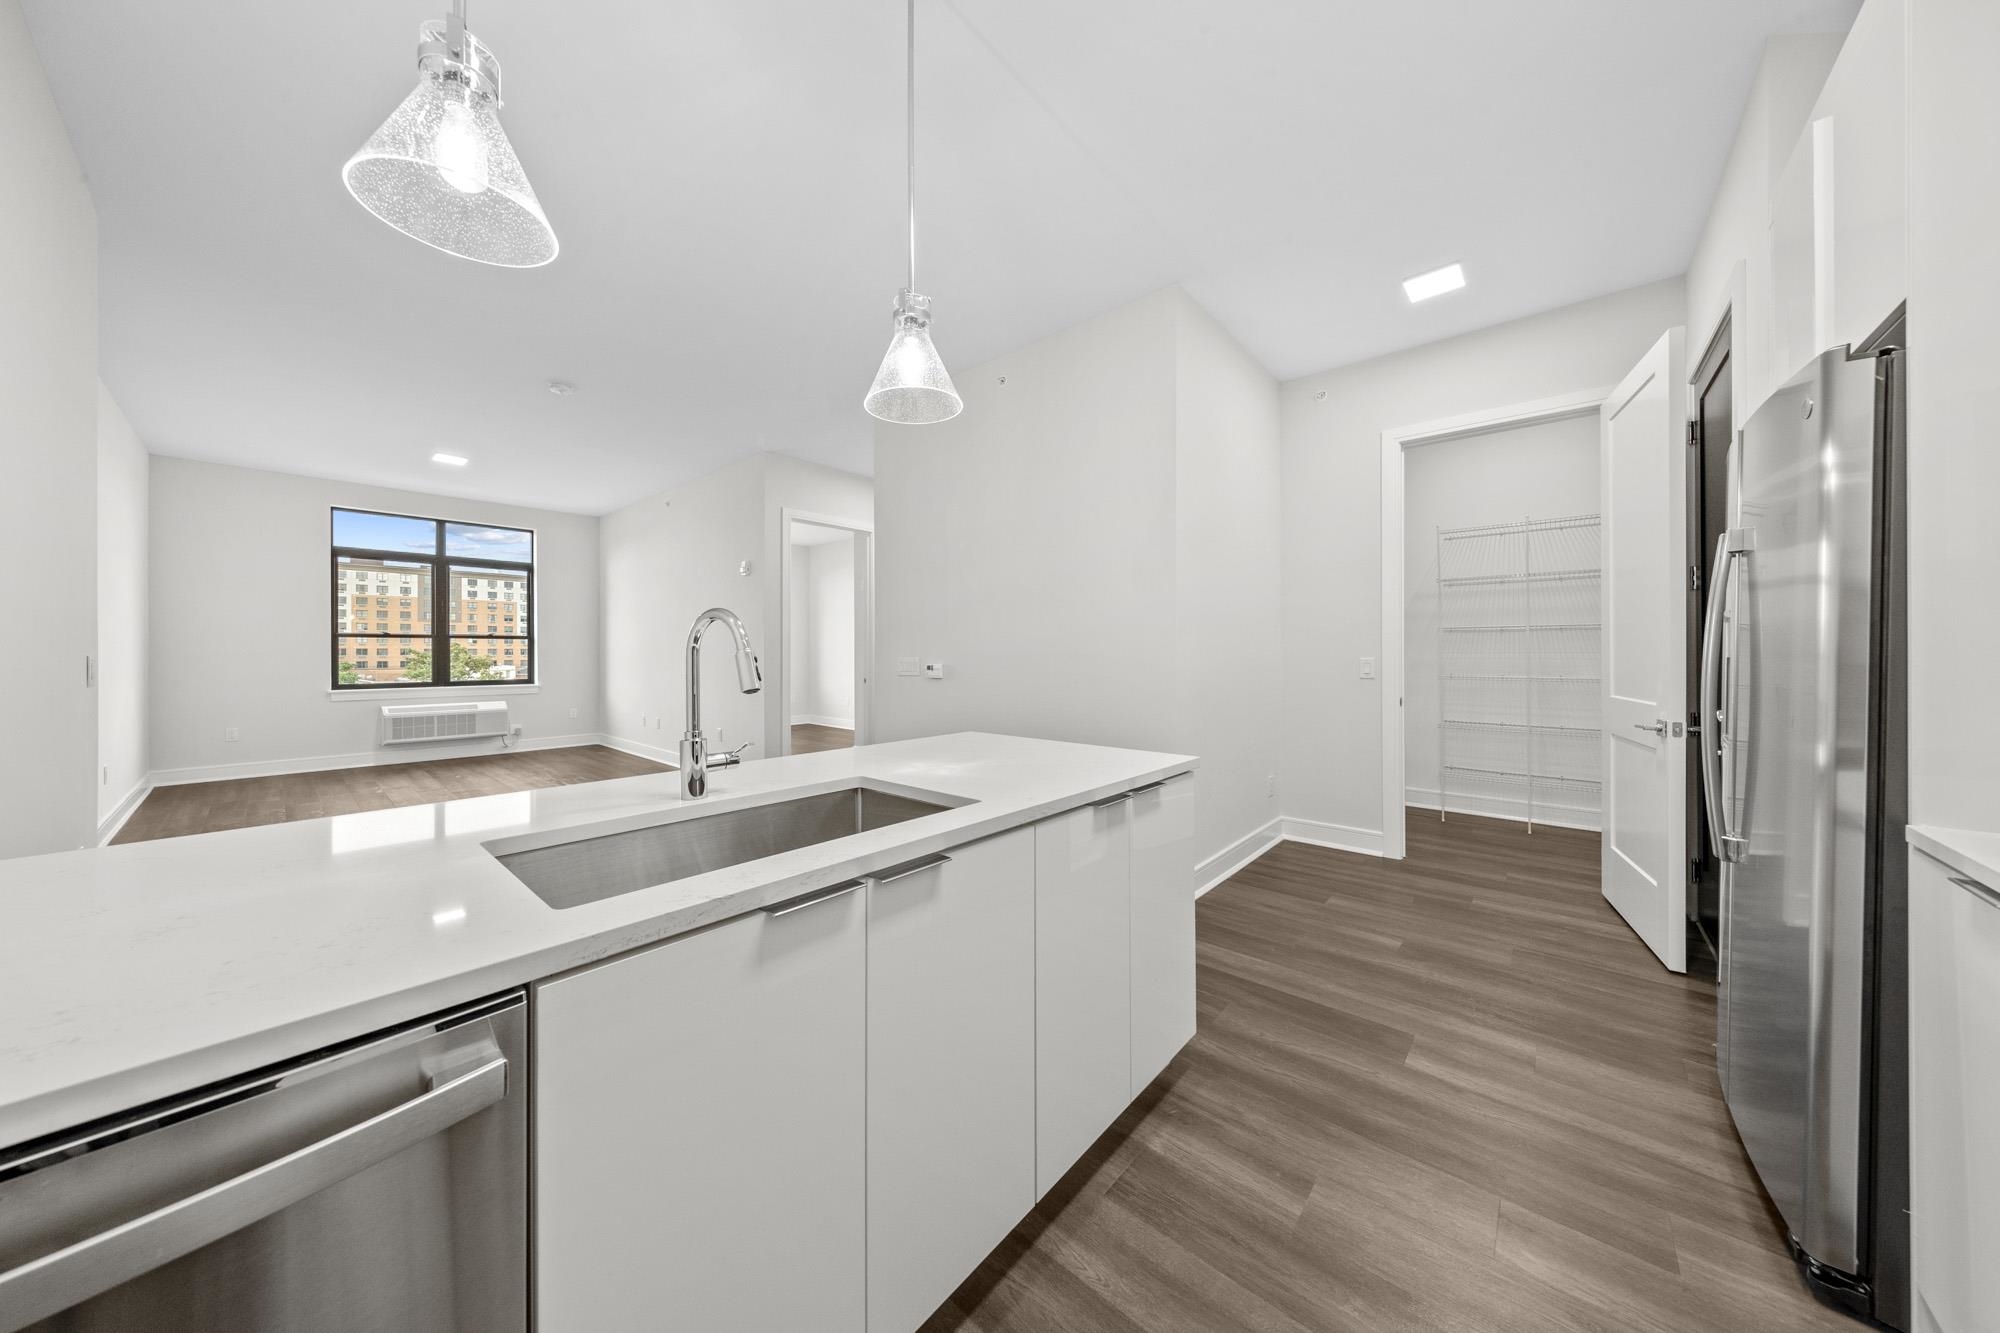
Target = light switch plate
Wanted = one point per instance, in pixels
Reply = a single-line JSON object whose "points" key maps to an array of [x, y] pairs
{"points": [[1367, 668], [908, 666]]}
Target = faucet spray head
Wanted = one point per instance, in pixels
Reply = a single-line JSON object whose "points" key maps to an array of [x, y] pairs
{"points": [[748, 674]]}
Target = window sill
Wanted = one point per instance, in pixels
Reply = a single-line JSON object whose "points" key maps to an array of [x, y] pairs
{"points": [[420, 693]]}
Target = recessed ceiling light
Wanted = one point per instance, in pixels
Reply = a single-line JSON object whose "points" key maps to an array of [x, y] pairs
{"points": [[561, 388], [1434, 283], [449, 460]]}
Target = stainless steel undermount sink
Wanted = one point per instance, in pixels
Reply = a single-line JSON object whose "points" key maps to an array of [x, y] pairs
{"points": [[589, 869]]}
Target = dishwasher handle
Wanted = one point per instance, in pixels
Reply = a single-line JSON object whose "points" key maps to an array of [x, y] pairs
{"points": [[69, 1276]]}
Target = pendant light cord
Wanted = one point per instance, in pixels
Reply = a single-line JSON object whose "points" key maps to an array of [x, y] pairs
{"points": [[911, 84]]}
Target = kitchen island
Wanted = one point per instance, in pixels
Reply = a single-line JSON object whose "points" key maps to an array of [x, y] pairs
{"points": [[868, 1055]]}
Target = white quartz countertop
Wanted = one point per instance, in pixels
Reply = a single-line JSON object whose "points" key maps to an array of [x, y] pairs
{"points": [[1969, 853], [136, 972]]}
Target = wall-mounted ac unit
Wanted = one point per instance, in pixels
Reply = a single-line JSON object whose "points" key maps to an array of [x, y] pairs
{"points": [[409, 724]]}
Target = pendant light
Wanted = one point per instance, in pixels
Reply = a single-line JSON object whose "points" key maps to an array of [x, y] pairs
{"points": [[912, 388], [440, 168]]}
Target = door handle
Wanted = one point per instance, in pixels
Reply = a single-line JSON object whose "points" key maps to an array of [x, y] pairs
{"points": [[1658, 728], [70, 1276]]}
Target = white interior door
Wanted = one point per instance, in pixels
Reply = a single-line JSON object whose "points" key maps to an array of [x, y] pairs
{"points": [[1645, 646]]}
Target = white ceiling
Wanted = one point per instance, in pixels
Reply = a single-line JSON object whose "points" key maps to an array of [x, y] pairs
{"points": [[726, 180]]}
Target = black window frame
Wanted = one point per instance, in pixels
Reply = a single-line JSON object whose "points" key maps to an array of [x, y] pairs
{"points": [[440, 565]]}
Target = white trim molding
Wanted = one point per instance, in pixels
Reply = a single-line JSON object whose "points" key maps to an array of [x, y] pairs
{"points": [[1238, 854], [389, 694], [641, 750], [1395, 443], [402, 754], [107, 827], [810, 720]]}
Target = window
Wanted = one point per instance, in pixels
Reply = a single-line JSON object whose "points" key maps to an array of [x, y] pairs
{"points": [[435, 565]]}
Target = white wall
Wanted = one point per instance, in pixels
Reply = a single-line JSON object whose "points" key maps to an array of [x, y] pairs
{"points": [[1954, 405], [1228, 584], [671, 556], [123, 745], [1029, 542], [1091, 550], [1789, 78], [822, 609], [240, 592], [1546, 470], [1332, 514], [48, 460]]}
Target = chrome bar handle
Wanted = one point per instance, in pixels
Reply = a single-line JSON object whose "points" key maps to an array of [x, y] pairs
{"points": [[72, 1275], [1712, 733], [1110, 801], [814, 899], [1989, 896], [914, 868]]}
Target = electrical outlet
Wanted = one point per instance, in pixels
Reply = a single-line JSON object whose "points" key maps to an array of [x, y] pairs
{"points": [[1270, 784], [572, 712], [229, 733], [642, 721]]}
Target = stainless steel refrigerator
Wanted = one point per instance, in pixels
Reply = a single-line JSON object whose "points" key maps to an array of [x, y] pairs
{"points": [[1802, 719]]}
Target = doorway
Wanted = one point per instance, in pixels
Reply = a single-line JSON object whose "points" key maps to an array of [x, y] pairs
{"points": [[1711, 431], [823, 665]]}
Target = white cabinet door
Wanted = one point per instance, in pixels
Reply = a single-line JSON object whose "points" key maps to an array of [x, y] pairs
{"points": [[951, 1072], [1083, 998], [1954, 1093], [1162, 926], [699, 1131]]}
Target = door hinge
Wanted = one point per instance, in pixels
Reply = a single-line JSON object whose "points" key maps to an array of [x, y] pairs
{"points": [[1694, 433], [1694, 578]]}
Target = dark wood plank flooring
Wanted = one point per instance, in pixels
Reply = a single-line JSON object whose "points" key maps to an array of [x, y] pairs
{"points": [[808, 737], [205, 807], [1452, 1093]]}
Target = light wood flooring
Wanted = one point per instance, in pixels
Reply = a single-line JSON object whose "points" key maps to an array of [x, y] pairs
{"points": [[1452, 1094], [204, 807], [808, 737]]}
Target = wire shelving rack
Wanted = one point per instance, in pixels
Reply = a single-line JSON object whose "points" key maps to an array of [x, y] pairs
{"points": [[1519, 653]]}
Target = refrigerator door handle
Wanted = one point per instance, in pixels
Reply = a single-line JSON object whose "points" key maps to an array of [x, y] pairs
{"points": [[1727, 547]]}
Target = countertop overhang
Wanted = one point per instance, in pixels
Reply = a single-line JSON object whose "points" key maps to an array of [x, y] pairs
{"points": [[137, 972]]}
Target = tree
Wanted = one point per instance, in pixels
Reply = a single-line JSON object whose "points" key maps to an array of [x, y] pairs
{"points": [[348, 674], [465, 665]]}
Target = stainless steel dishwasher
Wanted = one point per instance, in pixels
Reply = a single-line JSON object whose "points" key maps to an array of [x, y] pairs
{"points": [[378, 1185]]}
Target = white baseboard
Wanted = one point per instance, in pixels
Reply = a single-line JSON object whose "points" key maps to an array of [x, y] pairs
{"points": [[399, 754], [815, 720], [1246, 849], [1508, 807], [1340, 837], [641, 750], [107, 827], [1235, 856]]}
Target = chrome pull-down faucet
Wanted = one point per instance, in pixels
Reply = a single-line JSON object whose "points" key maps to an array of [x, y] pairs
{"points": [[695, 758]]}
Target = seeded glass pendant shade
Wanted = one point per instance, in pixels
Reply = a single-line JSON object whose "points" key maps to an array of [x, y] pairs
{"points": [[912, 388], [440, 168]]}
